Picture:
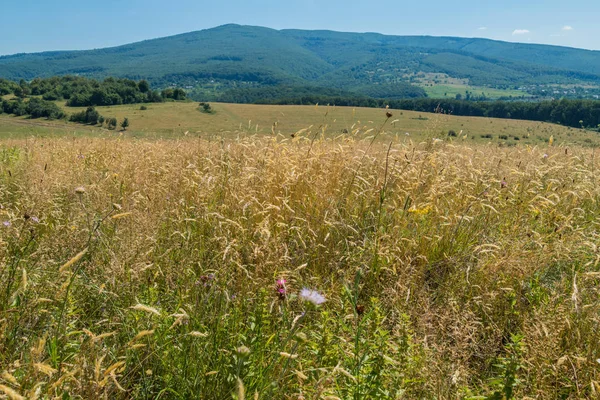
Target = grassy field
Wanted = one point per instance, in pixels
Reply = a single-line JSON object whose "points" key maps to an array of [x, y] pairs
{"points": [[234, 262], [175, 269], [176, 120]]}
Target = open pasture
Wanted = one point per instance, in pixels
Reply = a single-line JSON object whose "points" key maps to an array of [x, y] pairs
{"points": [[179, 120]]}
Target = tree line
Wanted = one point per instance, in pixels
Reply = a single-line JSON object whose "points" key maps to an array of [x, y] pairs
{"points": [[39, 108], [82, 92]]}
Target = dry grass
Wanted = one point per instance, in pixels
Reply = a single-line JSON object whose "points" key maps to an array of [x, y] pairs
{"points": [[450, 271]]}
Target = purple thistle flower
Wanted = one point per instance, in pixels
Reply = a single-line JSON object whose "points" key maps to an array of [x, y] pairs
{"points": [[35, 219], [6, 223], [281, 289]]}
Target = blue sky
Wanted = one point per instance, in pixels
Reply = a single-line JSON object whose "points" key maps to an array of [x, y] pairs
{"points": [[38, 25]]}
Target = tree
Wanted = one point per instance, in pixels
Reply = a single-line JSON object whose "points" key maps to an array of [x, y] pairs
{"points": [[143, 86], [125, 123], [179, 94]]}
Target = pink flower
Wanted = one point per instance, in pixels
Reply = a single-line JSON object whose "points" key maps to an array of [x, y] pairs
{"points": [[281, 289]]}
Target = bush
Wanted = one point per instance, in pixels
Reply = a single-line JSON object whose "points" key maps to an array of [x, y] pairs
{"points": [[112, 123], [143, 108], [38, 108], [206, 108], [451, 133], [16, 107], [89, 116], [503, 137]]}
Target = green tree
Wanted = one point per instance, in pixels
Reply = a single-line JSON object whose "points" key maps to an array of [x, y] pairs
{"points": [[125, 123], [112, 123], [143, 86]]}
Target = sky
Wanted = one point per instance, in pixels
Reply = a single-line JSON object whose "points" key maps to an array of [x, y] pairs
{"points": [[41, 25]]}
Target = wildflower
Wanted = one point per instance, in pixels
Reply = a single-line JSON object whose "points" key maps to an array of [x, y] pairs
{"points": [[312, 296], [503, 184], [205, 280], [545, 155], [420, 211], [80, 190], [242, 350], [35, 219], [281, 289], [360, 309], [80, 156], [6, 223]]}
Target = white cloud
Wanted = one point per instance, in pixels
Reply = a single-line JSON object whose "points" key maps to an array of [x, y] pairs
{"points": [[520, 32], [567, 28], [483, 28]]}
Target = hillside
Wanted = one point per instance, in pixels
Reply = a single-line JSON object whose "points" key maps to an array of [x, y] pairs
{"points": [[184, 119], [234, 56]]}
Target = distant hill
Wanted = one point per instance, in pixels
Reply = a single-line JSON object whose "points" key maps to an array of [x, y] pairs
{"points": [[234, 56]]}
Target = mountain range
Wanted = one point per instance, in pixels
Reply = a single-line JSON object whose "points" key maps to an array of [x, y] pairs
{"points": [[235, 55]]}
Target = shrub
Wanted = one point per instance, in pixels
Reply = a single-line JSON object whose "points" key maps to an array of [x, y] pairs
{"points": [[206, 108], [112, 123], [89, 116], [38, 108]]}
